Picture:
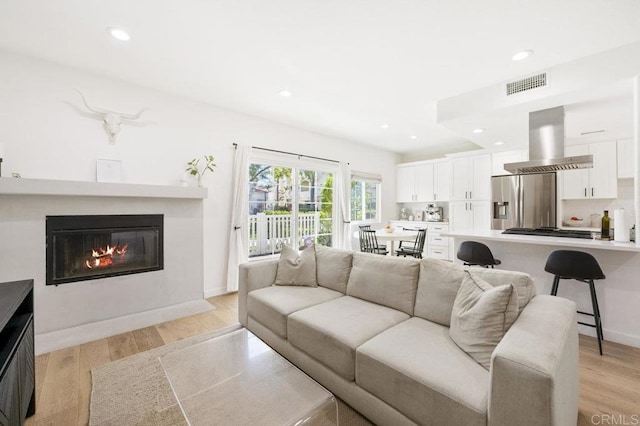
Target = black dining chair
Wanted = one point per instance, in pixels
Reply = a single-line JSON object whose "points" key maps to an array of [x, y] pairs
{"points": [[415, 248], [368, 227], [369, 242], [474, 253], [583, 267]]}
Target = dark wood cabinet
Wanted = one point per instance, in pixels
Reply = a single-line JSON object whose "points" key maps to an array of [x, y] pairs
{"points": [[17, 357]]}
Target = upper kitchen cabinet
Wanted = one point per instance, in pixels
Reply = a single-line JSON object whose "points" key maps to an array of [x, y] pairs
{"points": [[499, 159], [471, 178], [599, 182], [414, 182], [625, 158], [423, 182], [441, 180]]}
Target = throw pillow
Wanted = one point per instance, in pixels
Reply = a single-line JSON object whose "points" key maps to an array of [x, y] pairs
{"points": [[297, 268], [481, 316]]}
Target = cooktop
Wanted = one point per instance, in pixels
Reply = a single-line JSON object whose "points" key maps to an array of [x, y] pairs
{"points": [[550, 232]]}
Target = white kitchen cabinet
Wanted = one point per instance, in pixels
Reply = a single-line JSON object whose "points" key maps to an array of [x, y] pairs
{"points": [[423, 182], [466, 215], [471, 178], [625, 158], [414, 182], [601, 181], [405, 182], [442, 180], [499, 159]]}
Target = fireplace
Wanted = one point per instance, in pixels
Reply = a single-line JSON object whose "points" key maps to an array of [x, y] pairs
{"points": [[89, 247]]}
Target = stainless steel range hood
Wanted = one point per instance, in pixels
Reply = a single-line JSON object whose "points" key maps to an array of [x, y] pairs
{"points": [[546, 145]]}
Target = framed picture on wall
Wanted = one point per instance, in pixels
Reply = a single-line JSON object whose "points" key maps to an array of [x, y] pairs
{"points": [[108, 170]]}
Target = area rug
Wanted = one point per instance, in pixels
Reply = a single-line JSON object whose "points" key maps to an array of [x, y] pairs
{"points": [[135, 390]]}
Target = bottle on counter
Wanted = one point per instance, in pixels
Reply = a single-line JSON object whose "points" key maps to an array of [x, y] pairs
{"points": [[606, 223]]}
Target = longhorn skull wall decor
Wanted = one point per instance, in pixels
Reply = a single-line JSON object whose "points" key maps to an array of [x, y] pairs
{"points": [[111, 119]]}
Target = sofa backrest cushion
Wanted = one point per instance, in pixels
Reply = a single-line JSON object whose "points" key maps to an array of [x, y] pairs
{"points": [[440, 280], [297, 268], [333, 267], [385, 280]]}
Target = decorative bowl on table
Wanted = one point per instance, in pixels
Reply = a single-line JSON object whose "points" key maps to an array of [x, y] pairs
{"points": [[574, 221], [388, 228]]}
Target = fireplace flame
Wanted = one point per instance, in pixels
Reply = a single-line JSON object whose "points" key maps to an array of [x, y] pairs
{"points": [[103, 257]]}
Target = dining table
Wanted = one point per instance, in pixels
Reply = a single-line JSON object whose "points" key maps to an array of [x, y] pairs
{"points": [[392, 237]]}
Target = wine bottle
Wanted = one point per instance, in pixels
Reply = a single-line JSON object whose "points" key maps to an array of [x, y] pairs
{"points": [[606, 223]]}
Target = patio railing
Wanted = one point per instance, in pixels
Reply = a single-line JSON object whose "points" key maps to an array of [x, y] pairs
{"points": [[267, 233]]}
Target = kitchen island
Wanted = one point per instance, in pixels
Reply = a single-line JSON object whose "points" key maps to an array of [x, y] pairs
{"points": [[618, 294]]}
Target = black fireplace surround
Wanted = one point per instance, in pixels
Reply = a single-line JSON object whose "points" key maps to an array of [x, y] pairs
{"points": [[83, 248]]}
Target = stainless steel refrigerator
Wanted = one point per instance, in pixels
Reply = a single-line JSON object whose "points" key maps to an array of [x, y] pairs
{"points": [[523, 201]]}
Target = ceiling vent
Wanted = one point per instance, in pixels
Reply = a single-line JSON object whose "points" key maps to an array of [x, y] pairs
{"points": [[528, 83]]}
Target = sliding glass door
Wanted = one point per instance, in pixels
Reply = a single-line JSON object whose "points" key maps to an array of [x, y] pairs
{"points": [[288, 204]]}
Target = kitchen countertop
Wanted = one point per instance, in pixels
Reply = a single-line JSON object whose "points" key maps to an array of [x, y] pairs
{"points": [[496, 235], [444, 222]]}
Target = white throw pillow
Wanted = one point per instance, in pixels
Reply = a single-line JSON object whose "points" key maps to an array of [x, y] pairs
{"points": [[297, 268], [481, 316]]}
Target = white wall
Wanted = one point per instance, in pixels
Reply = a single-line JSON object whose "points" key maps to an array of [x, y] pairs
{"points": [[22, 256], [47, 134]]}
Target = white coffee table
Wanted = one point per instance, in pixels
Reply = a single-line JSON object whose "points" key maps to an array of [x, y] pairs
{"points": [[236, 379]]}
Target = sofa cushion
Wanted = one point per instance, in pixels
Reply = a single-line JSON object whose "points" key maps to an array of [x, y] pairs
{"points": [[525, 288], [297, 268], [440, 280], [481, 316], [333, 267], [332, 331], [385, 280], [270, 306], [416, 368]]}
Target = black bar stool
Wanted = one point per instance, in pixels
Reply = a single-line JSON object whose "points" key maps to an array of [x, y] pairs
{"points": [[475, 253], [580, 266]]}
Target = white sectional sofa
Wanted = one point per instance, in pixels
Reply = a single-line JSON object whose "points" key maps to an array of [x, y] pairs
{"points": [[375, 332]]}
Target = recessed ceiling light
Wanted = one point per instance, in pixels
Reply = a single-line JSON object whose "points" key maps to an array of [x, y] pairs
{"points": [[478, 130], [118, 34], [523, 54], [285, 93], [499, 143], [413, 137], [384, 126]]}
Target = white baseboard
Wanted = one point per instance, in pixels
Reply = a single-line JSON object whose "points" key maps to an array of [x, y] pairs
{"points": [[215, 292], [60, 339], [612, 336]]}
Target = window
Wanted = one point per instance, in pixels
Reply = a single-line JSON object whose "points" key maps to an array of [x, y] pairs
{"points": [[288, 204], [365, 195]]}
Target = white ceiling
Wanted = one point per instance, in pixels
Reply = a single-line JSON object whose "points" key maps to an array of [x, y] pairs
{"points": [[351, 65]]}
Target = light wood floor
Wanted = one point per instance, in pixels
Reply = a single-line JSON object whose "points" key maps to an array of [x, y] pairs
{"points": [[608, 385]]}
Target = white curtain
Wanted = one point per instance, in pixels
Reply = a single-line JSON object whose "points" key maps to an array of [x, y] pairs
{"points": [[239, 234], [343, 195]]}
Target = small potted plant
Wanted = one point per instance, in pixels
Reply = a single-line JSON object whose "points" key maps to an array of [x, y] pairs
{"points": [[195, 169]]}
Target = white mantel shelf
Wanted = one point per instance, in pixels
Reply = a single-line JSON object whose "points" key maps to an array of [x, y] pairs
{"points": [[493, 235], [22, 186]]}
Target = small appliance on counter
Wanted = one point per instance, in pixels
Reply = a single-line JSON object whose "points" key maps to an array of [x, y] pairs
{"points": [[433, 213]]}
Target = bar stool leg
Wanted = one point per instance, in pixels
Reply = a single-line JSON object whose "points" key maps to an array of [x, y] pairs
{"points": [[596, 313], [597, 310], [554, 288]]}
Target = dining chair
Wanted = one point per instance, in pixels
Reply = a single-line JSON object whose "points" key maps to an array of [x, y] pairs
{"points": [[414, 250], [367, 227], [369, 242]]}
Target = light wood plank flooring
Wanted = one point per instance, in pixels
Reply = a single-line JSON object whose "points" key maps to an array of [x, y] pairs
{"points": [[608, 385]]}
